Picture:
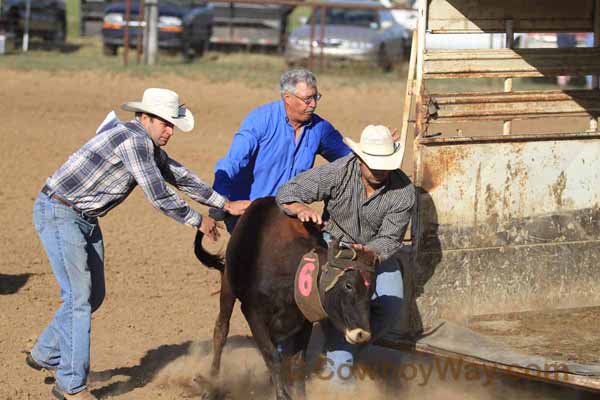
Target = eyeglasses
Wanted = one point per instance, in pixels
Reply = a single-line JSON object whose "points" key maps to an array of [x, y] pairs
{"points": [[308, 99]]}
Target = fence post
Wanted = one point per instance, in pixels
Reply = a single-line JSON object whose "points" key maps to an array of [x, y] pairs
{"points": [[508, 82], [126, 32], [312, 37], [151, 31], [595, 83], [26, 28]]}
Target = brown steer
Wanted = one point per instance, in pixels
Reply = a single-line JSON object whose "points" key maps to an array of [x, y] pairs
{"points": [[261, 262]]}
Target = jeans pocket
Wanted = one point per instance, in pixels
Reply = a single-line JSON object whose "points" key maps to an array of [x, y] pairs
{"points": [[72, 228]]}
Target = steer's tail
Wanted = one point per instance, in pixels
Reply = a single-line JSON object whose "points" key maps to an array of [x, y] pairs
{"points": [[210, 260]]}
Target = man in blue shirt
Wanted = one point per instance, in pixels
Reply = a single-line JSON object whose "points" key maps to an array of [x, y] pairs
{"points": [[276, 142]]}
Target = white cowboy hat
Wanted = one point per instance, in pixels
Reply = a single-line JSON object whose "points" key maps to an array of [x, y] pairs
{"points": [[377, 148], [165, 104]]}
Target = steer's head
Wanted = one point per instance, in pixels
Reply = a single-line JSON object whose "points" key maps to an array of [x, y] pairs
{"points": [[350, 284]]}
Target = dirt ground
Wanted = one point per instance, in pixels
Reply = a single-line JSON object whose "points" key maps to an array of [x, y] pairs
{"points": [[151, 336], [568, 335], [160, 301]]}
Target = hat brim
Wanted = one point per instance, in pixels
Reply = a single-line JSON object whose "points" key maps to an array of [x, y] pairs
{"points": [[386, 163], [185, 123]]}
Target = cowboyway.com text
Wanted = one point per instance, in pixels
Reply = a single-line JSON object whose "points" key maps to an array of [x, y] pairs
{"points": [[423, 372]]}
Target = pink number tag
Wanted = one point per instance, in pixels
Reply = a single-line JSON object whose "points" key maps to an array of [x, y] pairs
{"points": [[305, 281]]}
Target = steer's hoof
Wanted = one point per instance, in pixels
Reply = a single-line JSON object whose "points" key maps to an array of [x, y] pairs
{"points": [[208, 390], [283, 395]]}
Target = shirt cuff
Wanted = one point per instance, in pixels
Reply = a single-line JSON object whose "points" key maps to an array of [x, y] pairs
{"points": [[217, 214], [194, 219], [216, 200]]}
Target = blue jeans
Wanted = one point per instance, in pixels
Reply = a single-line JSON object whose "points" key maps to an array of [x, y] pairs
{"points": [[386, 306], [74, 247]]}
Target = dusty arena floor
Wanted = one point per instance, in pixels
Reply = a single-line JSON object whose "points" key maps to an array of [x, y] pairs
{"points": [[150, 338]]}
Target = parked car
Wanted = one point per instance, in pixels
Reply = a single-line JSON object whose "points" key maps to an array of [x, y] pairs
{"points": [[183, 25], [250, 25], [406, 17], [91, 13], [552, 40], [498, 40], [48, 19], [361, 34]]}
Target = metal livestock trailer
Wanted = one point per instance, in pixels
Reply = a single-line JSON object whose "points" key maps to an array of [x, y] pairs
{"points": [[507, 222]]}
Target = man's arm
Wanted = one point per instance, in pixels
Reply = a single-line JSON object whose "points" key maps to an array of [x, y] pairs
{"points": [[391, 232], [137, 156], [332, 145], [188, 182], [316, 184], [243, 148]]}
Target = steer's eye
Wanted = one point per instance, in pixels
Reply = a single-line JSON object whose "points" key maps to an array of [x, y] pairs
{"points": [[349, 286]]}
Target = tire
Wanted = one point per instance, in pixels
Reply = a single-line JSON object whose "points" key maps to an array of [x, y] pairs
{"points": [[109, 50], [384, 61], [191, 53], [57, 37]]}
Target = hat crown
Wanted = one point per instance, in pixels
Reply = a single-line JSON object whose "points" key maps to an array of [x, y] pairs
{"points": [[163, 98], [377, 140], [163, 103]]}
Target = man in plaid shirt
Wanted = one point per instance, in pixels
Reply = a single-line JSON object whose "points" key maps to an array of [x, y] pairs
{"points": [[368, 202], [95, 179]]}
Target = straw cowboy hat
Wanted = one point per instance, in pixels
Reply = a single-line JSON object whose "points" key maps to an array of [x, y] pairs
{"points": [[165, 104], [377, 148]]}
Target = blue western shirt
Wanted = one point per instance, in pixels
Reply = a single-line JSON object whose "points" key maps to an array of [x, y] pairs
{"points": [[264, 153]]}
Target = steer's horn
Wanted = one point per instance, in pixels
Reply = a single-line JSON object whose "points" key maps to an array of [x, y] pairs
{"points": [[333, 249]]}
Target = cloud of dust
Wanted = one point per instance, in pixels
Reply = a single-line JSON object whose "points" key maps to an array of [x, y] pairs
{"points": [[243, 373], [244, 376]]}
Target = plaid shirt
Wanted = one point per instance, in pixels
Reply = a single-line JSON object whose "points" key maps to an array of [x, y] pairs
{"points": [[379, 222], [102, 173]]}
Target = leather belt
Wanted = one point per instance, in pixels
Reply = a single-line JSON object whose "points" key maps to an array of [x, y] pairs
{"points": [[53, 195]]}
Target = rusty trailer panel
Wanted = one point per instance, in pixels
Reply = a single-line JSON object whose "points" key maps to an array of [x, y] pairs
{"points": [[507, 224], [553, 377], [505, 63], [451, 107], [465, 16]]}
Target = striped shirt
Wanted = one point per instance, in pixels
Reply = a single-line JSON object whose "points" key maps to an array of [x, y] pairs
{"points": [[105, 170], [379, 222]]}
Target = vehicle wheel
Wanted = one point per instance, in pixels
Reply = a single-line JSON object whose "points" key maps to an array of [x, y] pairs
{"points": [[57, 37], [188, 53], [201, 48], [405, 50], [109, 50], [384, 60]]}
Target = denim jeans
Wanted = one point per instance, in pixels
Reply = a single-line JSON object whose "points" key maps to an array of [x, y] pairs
{"points": [[74, 247], [386, 306]]}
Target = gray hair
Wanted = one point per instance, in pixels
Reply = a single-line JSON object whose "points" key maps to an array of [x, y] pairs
{"points": [[291, 78]]}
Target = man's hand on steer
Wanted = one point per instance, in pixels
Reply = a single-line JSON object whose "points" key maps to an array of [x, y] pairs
{"points": [[310, 215], [210, 228], [236, 207], [304, 213]]}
